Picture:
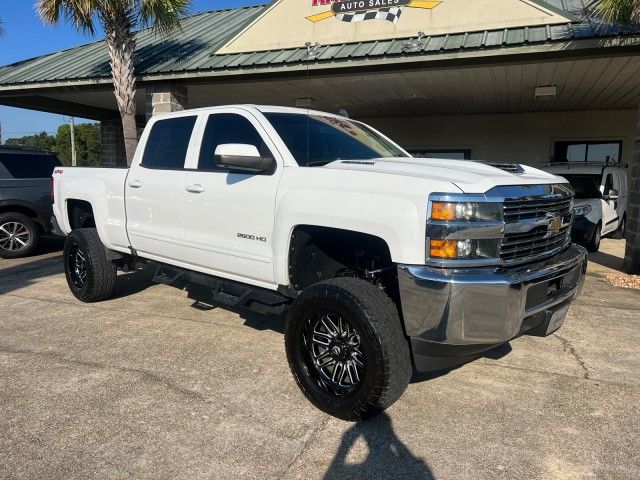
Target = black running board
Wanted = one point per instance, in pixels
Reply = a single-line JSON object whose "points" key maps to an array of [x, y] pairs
{"points": [[214, 291]]}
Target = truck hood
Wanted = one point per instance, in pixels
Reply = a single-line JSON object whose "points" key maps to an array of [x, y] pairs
{"points": [[468, 176]]}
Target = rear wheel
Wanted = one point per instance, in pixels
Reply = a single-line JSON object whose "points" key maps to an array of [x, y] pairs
{"points": [[91, 276], [19, 235], [594, 243], [346, 348]]}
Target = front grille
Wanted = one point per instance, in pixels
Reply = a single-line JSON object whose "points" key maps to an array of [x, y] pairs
{"points": [[536, 225], [533, 244], [515, 210]]}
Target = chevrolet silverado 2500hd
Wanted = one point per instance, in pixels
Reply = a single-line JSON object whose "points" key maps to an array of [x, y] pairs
{"points": [[384, 263]]}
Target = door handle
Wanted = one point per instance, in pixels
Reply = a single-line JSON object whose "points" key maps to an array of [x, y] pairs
{"points": [[195, 188], [135, 183]]}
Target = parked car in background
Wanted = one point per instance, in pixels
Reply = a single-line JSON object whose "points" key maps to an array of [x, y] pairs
{"points": [[25, 198], [600, 203]]}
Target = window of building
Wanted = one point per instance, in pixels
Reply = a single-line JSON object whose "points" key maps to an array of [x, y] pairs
{"points": [[26, 165], [168, 143], [452, 154], [596, 151], [228, 128]]}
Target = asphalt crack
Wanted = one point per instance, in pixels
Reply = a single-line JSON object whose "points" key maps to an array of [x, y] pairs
{"points": [[144, 374], [305, 445], [569, 348]]}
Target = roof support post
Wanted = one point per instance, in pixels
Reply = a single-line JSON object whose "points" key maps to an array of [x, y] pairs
{"points": [[112, 143], [163, 97]]}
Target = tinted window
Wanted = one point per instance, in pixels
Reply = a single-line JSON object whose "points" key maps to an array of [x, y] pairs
{"points": [[586, 186], [321, 139], [22, 165], [228, 128], [168, 143]]}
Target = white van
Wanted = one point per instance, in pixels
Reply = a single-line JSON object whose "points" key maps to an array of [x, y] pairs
{"points": [[601, 200]]}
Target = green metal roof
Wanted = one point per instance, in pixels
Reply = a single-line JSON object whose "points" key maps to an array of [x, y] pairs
{"points": [[193, 48]]}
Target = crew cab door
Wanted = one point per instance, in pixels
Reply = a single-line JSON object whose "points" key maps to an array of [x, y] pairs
{"points": [[229, 215], [154, 188]]}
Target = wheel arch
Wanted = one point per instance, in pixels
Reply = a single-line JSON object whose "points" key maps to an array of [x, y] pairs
{"points": [[17, 206], [316, 253]]}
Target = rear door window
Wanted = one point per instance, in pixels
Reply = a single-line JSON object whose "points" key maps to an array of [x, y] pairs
{"points": [[168, 143], [26, 165]]}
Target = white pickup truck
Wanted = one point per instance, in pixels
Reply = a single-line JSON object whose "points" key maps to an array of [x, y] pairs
{"points": [[385, 263]]}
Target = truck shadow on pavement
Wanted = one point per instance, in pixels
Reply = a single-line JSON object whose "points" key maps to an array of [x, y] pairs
{"points": [[387, 456], [496, 353]]}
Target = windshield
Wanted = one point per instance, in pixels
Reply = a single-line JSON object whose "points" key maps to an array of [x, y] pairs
{"points": [[315, 140], [586, 186]]}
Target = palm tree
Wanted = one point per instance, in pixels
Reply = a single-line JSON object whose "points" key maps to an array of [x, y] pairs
{"points": [[626, 12], [118, 19]]}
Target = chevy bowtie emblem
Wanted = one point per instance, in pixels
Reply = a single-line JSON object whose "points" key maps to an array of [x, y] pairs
{"points": [[555, 224], [360, 10]]}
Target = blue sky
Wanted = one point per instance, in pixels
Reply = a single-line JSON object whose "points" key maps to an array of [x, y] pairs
{"points": [[26, 37]]}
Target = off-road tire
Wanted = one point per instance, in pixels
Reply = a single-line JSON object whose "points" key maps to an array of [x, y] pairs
{"points": [[388, 367], [33, 234], [621, 231], [593, 245], [100, 271]]}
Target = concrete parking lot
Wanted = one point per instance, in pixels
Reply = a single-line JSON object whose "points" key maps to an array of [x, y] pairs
{"points": [[147, 386]]}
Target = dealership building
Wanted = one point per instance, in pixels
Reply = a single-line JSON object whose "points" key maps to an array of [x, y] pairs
{"points": [[526, 81], [503, 80]]}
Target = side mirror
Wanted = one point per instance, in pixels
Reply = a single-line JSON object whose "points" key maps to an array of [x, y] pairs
{"points": [[613, 194], [241, 156]]}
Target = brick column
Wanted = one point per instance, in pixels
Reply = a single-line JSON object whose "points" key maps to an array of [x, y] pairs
{"points": [[632, 253], [165, 97], [112, 143]]}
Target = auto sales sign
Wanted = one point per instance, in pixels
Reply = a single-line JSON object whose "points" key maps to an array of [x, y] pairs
{"points": [[361, 10]]}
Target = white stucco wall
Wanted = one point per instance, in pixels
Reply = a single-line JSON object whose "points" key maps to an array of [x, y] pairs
{"points": [[523, 137]]}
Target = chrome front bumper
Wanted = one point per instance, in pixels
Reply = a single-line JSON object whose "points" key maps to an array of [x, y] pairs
{"points": [[478, 308]]}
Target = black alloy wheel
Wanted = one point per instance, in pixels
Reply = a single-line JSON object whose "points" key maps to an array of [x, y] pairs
{"points": [[330, 347], [346, 348]]}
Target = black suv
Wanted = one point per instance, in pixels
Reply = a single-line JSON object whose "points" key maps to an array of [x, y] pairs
{"points": [[25, 198]]}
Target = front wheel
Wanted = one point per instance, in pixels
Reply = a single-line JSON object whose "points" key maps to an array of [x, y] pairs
{"points": [[346, 348], [594, 243], [91, 276]]}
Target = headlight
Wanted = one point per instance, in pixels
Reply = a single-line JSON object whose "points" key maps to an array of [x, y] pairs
{"points": [[464, 249], [581, 210], [465, 211]]}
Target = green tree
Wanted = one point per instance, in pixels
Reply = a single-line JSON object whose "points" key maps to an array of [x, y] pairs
{"points": [[627, 12], [87, 136], [118, 19], [41, 140]]}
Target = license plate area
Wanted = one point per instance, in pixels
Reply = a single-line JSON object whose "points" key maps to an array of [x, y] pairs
{"points": [[545, 292]]}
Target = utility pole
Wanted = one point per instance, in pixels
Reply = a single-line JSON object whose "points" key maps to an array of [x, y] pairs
{"points": [[73, 141]]}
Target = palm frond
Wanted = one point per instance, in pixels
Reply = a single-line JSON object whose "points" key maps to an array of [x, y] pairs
{"points": [[164, 15], [620, 11], [79, 12]]}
